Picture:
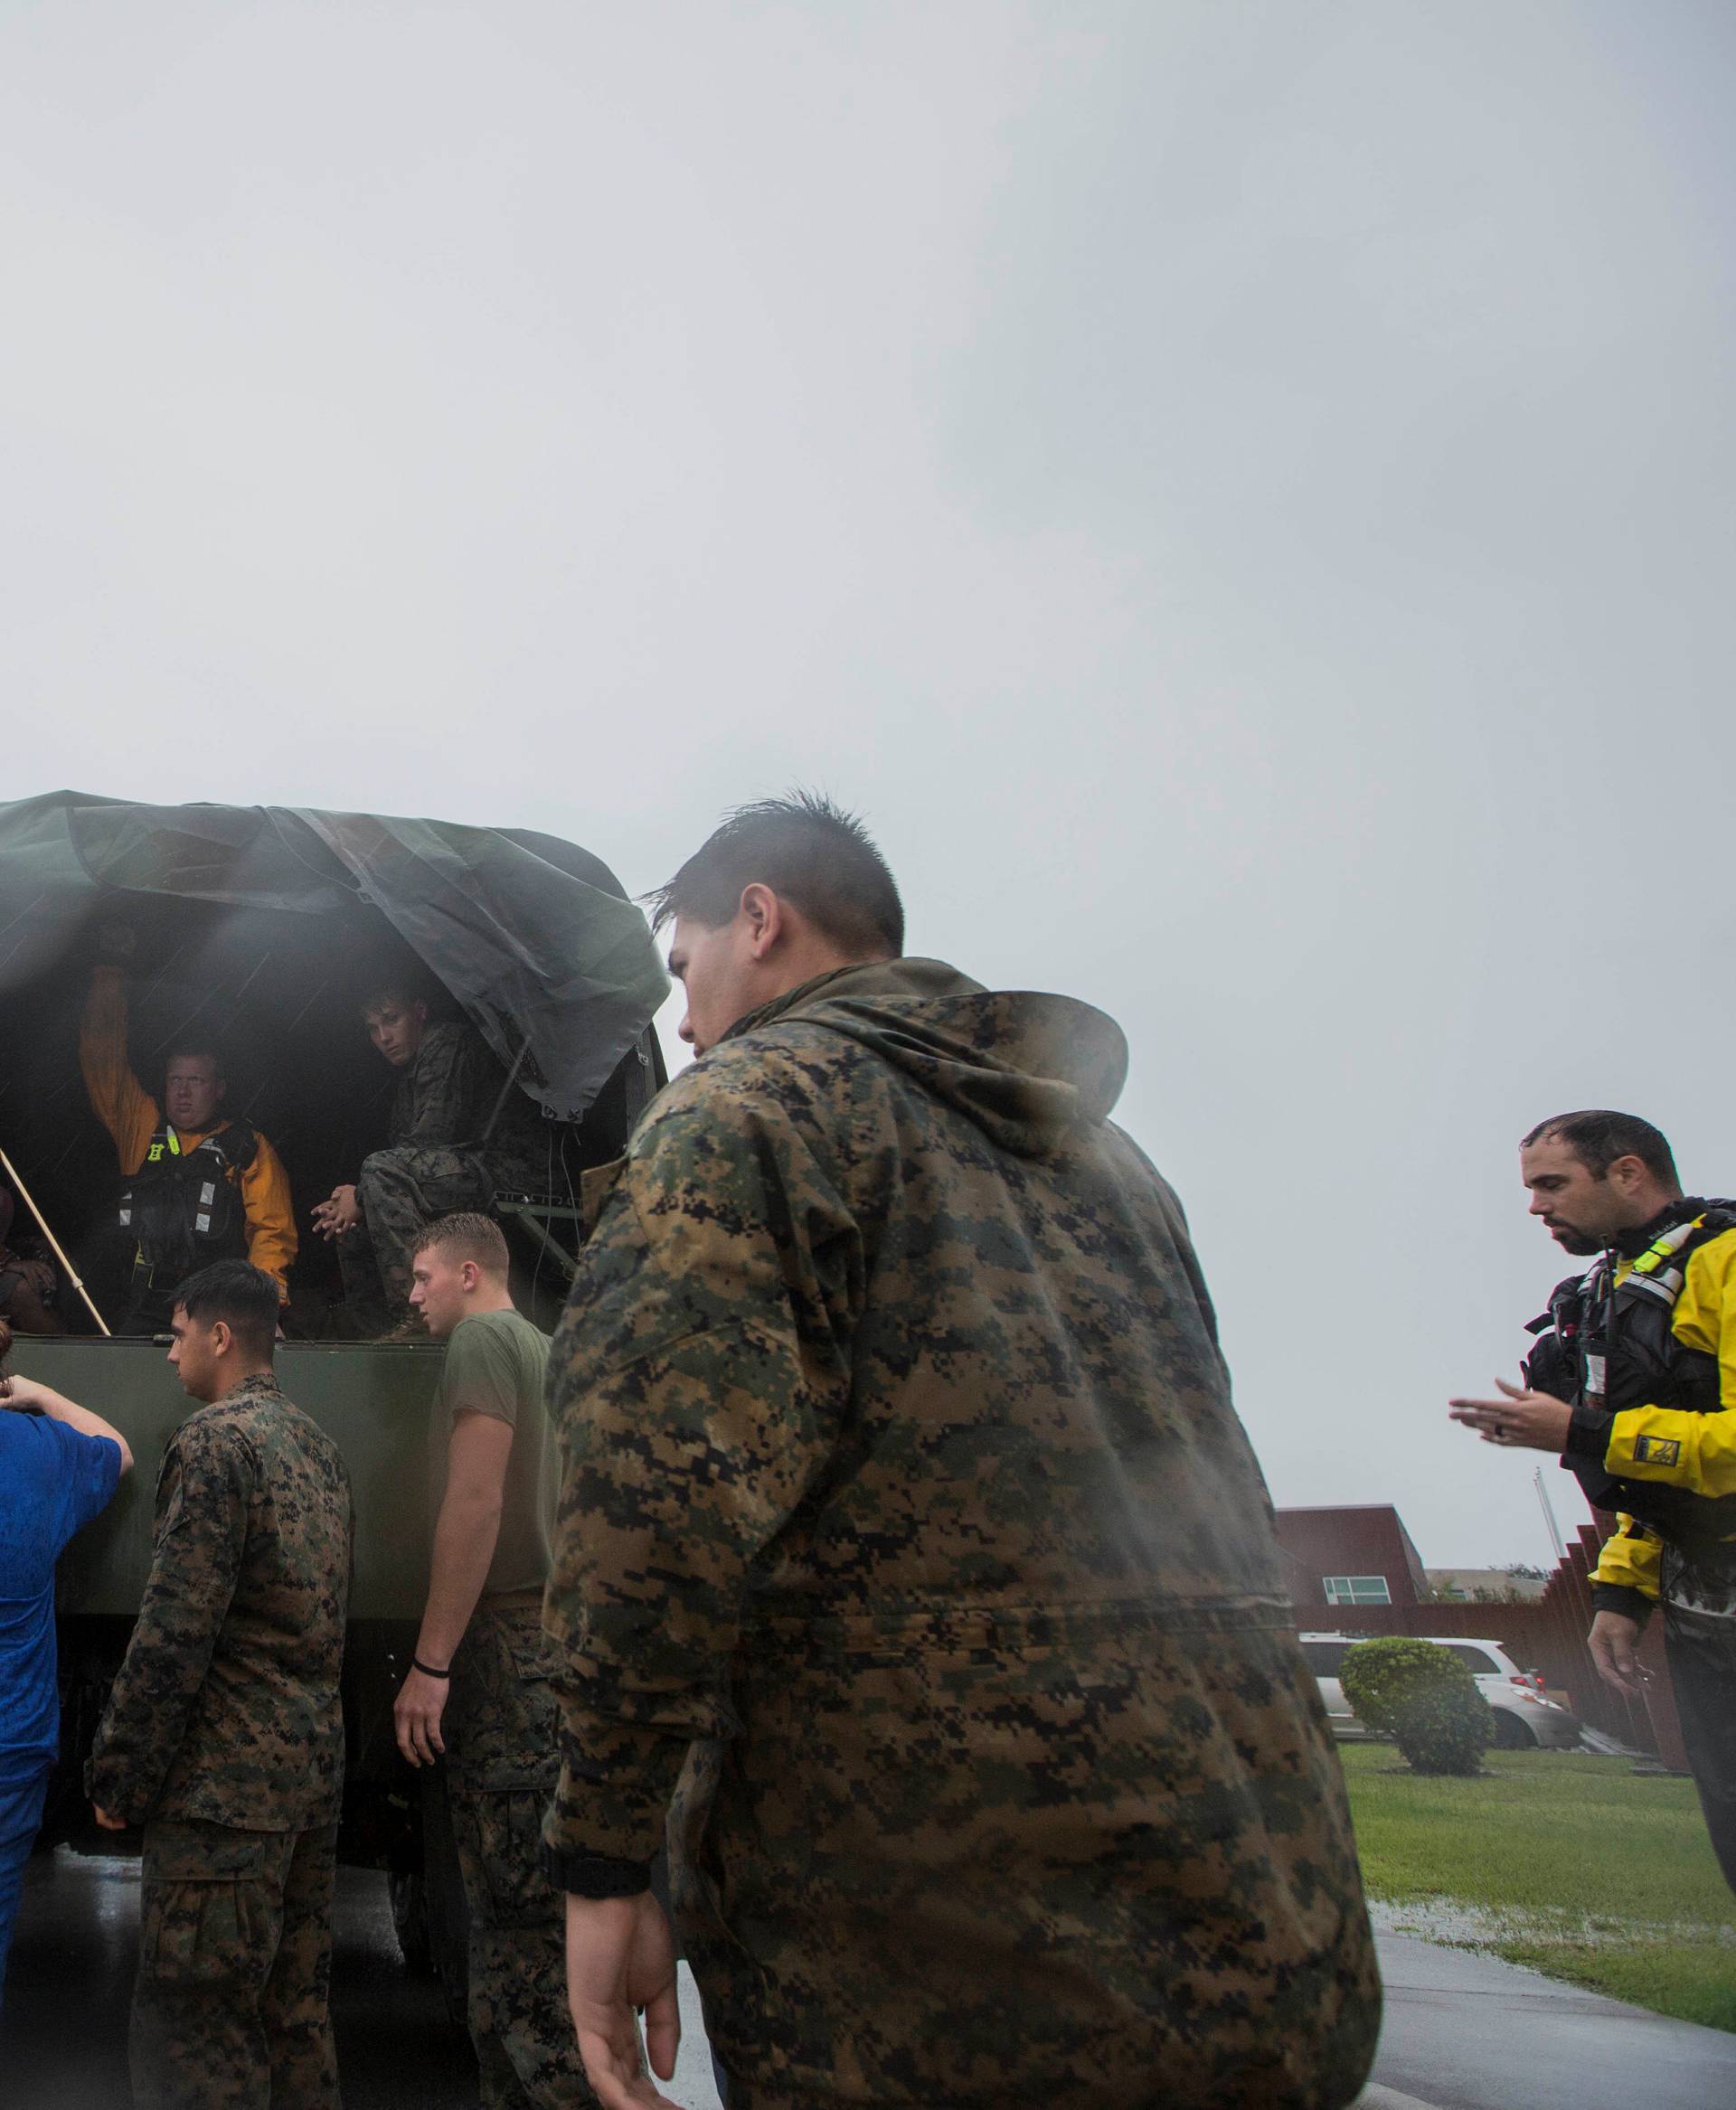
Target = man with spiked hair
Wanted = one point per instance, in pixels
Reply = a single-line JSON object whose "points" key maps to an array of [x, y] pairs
{"points": [[905, 1517], [493, 1471], [224, 1735], [1633, 1383]]}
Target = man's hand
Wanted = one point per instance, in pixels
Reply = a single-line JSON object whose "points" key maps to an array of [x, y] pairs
{"points": [[1522, 1421], [342, 1212], [106, 1818], [1613, 1640], [20, 1392], [416, 1715], [620, 1957]]}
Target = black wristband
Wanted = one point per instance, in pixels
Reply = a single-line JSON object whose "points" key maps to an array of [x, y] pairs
{"points": [[428, 1671]]}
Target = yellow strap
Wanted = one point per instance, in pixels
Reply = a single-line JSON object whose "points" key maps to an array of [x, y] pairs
{"points": [[1661, 1250]]}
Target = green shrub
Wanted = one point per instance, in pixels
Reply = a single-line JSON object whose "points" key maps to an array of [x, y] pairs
{"points": [[1422, 1695]]}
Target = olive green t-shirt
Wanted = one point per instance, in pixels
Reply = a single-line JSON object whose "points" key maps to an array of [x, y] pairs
{"points": [[494, 1364]]}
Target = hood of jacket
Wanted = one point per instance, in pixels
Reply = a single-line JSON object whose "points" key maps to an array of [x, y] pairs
{"points": [[1028, 1069]]}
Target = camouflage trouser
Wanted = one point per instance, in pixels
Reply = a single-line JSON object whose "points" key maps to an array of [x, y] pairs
{"points": [[400, 1192], [1701, 1649], [232, 2006], [499, 1730]]}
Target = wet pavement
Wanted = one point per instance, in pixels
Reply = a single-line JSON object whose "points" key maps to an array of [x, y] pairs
{"points": [[1462, 2032], [63, 2043], [63, 2040], [1469, 2033]]}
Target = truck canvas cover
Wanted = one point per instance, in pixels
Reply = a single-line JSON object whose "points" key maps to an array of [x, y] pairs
{"points": [[531, 937]]}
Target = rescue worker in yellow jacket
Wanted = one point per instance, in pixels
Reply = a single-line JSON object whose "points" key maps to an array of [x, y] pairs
{"points": [[201, 1185], [1633, 1381]]}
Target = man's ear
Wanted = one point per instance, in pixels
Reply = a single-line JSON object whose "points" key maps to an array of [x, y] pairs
{"points": [[764, 915], [1627, 1174], [221, 1337], [471, 1274]]}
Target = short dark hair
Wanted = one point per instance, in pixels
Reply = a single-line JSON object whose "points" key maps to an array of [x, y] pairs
{"points": [[466, 1235], [809, 850], [1598, 1137], [389, 988], [243, 1298]]}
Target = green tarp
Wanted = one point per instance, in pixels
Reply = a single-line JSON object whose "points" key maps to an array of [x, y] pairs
{"points": [[531, 936]]}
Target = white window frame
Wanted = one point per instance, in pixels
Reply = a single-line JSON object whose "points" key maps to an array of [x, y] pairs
{"points": [[1355, 1589]]}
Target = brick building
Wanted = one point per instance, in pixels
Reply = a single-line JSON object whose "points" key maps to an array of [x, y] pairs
{"points": [[1355, 1570], [1341, 1559]]}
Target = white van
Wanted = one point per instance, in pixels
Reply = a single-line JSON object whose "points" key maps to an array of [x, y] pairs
{"points": [[1524, 1720]]}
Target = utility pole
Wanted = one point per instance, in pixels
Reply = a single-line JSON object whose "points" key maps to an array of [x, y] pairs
{"points": [[1549, 1514]]}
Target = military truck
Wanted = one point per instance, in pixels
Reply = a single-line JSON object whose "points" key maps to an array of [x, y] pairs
{"points": [[265, 925]]}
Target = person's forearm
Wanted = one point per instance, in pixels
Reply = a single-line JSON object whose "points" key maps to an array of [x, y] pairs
{"points": [[272, 1240], [1675, 1447], [151, 1701], [123, 1106], [605, 1820], [464, 1544], [59, 1407]]}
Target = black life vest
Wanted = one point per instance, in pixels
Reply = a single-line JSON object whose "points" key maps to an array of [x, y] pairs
{"points": [[1609, 1345], [185, 1209]]}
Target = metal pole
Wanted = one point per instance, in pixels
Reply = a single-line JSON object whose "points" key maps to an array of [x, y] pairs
{"points": [[512, 1079], [1549, 1514], [71, 1273]]}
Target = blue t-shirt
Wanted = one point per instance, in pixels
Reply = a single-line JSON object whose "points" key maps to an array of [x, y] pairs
{"points": [[52, 1481]]}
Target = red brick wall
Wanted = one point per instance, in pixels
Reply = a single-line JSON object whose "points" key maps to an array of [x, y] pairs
{"points": [[1319, 1542]]}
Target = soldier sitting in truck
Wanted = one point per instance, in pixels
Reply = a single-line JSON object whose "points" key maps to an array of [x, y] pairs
{"points": [[459, 1133], [201, 1186], [28, 1282]]}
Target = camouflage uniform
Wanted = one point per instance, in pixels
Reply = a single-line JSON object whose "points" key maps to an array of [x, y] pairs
{"points": [[223, 1737], [33, 1277], [441, 1154], [904, 1496], [500, 1728]]}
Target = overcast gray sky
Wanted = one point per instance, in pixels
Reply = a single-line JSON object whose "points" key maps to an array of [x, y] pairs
{"points": [[1240, 496]]}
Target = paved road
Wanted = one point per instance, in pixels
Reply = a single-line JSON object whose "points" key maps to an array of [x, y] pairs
{"points": [[1468, 2032], [1462, 2032]]}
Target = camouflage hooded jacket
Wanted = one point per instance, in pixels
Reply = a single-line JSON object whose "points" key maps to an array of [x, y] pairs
{"points": [[226, 1707], [454, 1096], [903, 1485]]}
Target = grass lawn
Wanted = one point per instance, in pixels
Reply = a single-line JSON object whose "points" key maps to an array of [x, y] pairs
{"points": [[1571, 1864]]}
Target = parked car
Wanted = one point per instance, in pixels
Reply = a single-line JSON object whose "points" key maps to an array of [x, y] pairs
{"points": [[1524, 1719]]}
